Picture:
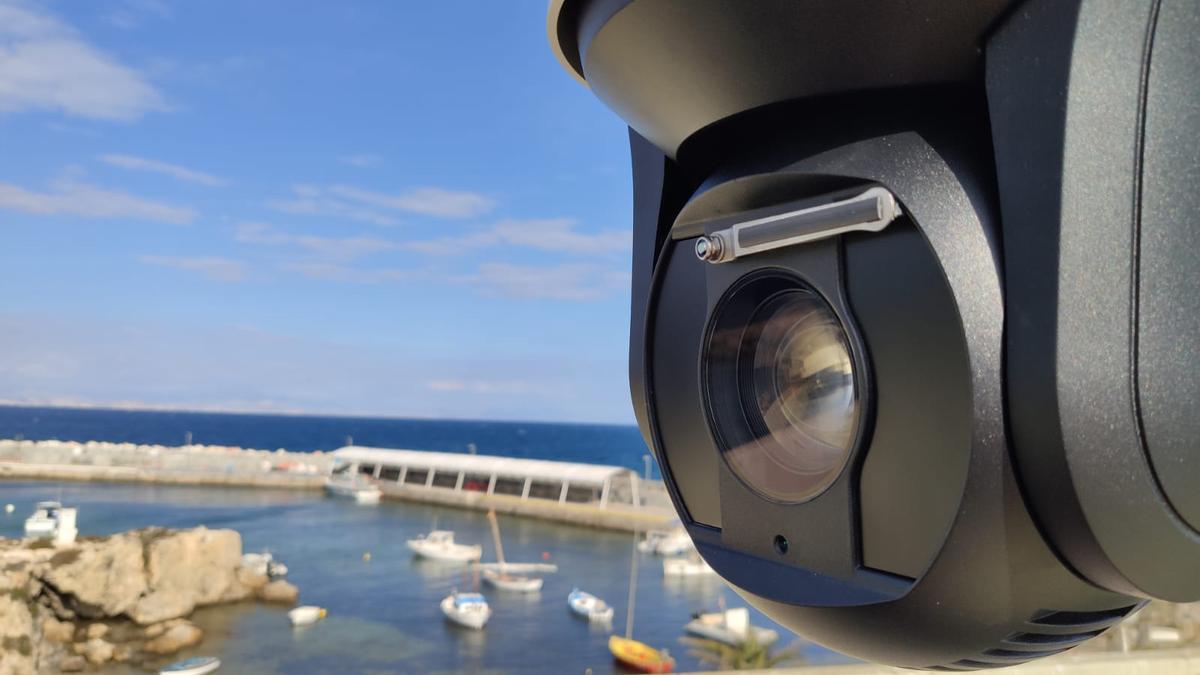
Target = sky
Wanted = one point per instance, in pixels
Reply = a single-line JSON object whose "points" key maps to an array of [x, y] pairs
{"points": [[377, 208]]}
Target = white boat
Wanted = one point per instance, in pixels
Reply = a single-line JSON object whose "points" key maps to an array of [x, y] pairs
{"points": [[589, 606], [666, 543], [466, 609], [690, 566], [264, 564], [197, 665], [51, 521], [306, 615], [511, 582], [439, 545], [360, 491], [501, 577], [731, 627]]}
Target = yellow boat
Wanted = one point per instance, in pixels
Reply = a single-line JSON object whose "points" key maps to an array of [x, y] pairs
{"points": [[640, 656]]}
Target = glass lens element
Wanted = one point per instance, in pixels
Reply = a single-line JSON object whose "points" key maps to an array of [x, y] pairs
{"points": [[798, 394]]}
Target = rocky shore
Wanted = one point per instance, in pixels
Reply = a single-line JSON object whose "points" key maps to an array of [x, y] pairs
{"points": [[122, 598]]}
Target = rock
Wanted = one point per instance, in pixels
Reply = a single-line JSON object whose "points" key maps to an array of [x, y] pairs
{"points": [[279, 591], [106, 578], [97, 651], [17, 637], [175, 638], [72, 664], [97, 630], [54, 630], [188, 569], [251, 580], [122, 653], [154, 630]]}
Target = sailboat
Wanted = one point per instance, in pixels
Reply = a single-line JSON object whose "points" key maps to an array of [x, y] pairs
{"points": [[629, 652], [500, 577]]}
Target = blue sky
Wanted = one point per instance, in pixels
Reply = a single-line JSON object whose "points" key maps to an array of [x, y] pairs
{"points": [[384, 208]]}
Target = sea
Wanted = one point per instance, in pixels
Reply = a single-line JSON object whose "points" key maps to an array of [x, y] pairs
{"points": [[383, 614]]}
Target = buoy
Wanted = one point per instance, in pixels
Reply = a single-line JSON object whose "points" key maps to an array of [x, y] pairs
{"points": [[367, 557], [9, 508], [545, 555]]}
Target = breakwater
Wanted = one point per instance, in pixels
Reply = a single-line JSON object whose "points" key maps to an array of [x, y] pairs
{"points": [[209, 465]]}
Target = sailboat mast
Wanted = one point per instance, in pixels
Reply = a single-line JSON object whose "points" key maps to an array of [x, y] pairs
{"points": [[632, 588], [496, 537]]}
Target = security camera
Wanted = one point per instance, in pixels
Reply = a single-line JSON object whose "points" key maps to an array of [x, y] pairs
{"points": [[916, 298]]}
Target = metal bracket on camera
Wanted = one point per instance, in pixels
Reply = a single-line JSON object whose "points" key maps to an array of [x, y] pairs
{"points": [[870, 211]]}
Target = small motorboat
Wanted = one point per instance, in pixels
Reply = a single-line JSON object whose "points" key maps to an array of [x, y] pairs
{"points": [[690, 566], [306, 615], [640, 656], [51, 521], [589, 606], [466, 609], [666, 543], [439, 545], [360, 491], [197, 665], [730, 627], [511, 582]]}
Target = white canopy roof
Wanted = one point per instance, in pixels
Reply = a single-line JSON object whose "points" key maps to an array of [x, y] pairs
{"points": [[538, 469]]}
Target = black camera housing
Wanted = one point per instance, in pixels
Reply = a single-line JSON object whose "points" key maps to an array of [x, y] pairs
{"points": [[1024, 474]]}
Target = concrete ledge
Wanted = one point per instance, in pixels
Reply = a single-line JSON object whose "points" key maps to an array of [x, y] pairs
{"points": [[1143, 662], [128, 474]]}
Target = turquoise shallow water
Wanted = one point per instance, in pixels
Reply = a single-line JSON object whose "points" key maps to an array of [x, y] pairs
{"points": [[383, 615]]}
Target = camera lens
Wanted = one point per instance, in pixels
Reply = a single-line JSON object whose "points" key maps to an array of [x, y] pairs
{"points": [[797, 405]]}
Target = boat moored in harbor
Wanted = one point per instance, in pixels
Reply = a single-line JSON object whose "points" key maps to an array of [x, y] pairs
{"points": [[197, 665], [51, 521], [589, 606], [440, 545], [730, 627], [466, 609], [360, 491]]}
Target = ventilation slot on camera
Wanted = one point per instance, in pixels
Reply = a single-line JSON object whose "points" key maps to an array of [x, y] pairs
{"points": [[1046, 633]]}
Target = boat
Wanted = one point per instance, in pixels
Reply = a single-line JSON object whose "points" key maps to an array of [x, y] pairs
{"points": [[51, 521], [466, 609], [629, 652], [511, 582], [197, 665], [360, 491], [730, 627], [306, 615], [439, 545], [666, 543], [640, 656], [690, 566], [589, 606], [264, 564], [501, 577]]}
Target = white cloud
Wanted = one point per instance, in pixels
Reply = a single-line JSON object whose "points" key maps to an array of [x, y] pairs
{"points": [[362, 161], [506, 387], [339, 248], [214, 268], [46, 65], [130, 14], [68, 197], [427, 201], [155, 166], [553, 234], [311, 201], [576, 282], [351, 275]]}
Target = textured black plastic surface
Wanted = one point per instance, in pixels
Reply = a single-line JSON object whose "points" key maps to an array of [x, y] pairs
{"points": [[1067, 89], [672, 67], [1169, 258]]}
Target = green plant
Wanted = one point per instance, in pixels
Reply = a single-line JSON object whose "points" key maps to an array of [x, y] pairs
{"points": [[747, 655]]}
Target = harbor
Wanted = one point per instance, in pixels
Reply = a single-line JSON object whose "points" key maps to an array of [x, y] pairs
{"points": [[382, 601], [594, 495]]}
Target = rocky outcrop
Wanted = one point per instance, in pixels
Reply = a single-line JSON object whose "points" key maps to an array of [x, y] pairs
{"points": [[117, 598], [279, 591]]}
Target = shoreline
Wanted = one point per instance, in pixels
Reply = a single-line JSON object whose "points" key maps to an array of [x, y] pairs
{"points": [[225, 466]]}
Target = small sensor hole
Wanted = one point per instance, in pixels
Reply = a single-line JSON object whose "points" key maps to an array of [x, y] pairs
{"points": [[781, 544]]}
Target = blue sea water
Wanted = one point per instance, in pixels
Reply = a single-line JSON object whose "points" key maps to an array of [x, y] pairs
{"points": [[592, 443]]}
